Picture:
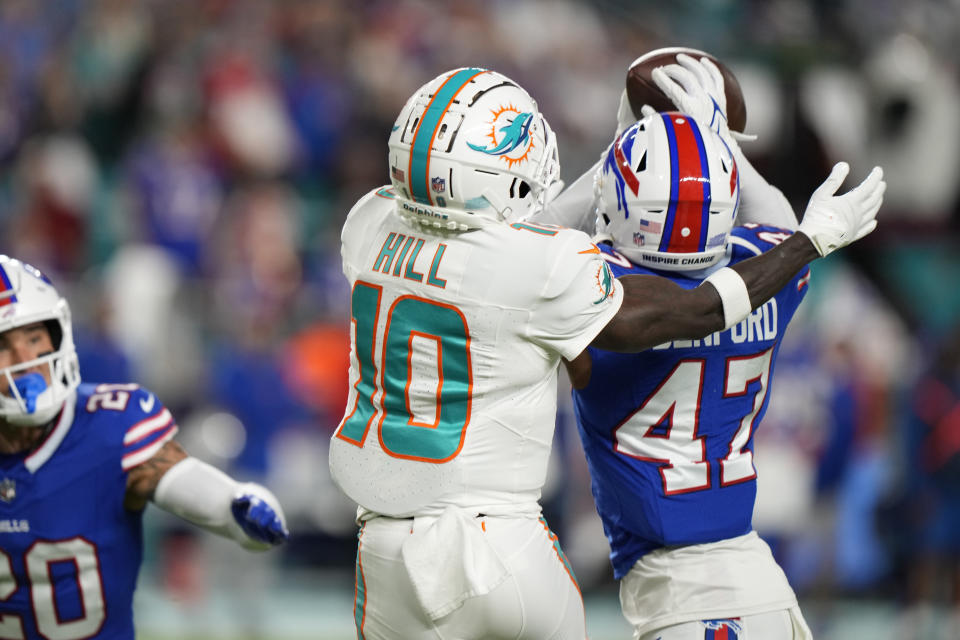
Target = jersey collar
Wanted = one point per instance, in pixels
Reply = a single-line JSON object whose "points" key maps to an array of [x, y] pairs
{"points": [[37, 459]]}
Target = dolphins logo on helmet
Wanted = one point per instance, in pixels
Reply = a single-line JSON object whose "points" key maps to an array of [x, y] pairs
{"points": [[509, 130], [471, 147]]}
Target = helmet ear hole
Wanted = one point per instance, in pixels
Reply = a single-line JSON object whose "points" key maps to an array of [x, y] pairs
{"points": [[642, 165], [524, 189], [56, 333]]}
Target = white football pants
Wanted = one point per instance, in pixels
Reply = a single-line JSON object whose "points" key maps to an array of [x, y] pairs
{"points": [[538, 599]]}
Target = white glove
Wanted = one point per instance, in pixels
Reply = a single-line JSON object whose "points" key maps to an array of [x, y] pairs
{"points": [[696, 88], [833, 221]]}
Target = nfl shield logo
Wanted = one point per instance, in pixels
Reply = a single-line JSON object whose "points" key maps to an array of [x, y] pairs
{"points": [[8, 490], [438, 184]]}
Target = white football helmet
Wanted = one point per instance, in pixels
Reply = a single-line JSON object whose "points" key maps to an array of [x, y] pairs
{"points": [[471, 146], [26, 297], [667, 193]]}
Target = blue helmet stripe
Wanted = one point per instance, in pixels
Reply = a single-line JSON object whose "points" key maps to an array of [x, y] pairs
{"points": [[674, 183], [427, 128]]}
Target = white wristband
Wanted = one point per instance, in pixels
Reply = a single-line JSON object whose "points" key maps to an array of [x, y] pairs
{"points": [[733, 293]]}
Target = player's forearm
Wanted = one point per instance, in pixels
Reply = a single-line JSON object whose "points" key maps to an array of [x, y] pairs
{"points": [[206, 496], [769, 272], [143, 479], [656, 310]]}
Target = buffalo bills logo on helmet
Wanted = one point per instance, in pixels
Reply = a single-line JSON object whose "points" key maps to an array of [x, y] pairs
{"points": [[618, 163], [7, 291], [509, 135], [729, 629]]}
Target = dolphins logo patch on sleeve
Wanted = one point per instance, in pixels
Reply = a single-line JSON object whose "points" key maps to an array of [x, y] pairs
{"points": [[604, 282]]}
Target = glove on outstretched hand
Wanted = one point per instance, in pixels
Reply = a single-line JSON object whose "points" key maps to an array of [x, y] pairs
{"points": [[258, 519], [833, 221]]}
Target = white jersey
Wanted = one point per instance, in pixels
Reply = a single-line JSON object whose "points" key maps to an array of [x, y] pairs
{"points": [[456, 340]]}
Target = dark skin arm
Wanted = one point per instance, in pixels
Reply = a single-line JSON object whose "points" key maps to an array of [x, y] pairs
{"points": [[656, 310]]}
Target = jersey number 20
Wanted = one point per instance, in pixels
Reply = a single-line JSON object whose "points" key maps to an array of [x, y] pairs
{"points": [[83, 555]]}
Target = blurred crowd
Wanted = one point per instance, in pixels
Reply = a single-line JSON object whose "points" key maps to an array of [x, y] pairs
{"points": [[181, 171]]}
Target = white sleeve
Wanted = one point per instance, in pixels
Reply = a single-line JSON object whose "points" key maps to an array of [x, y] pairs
{"points": [[202, 494], [574, 207], [577, 301], [760, 201]]}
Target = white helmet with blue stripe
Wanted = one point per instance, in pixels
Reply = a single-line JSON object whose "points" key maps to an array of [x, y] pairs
{"points": [[470, 146], [28, 297], [668, 193]]}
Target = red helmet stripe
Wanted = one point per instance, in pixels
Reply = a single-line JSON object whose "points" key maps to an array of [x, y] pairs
{"points": [[690, 188]]}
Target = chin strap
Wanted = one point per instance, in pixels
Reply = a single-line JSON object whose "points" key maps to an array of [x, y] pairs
{"points": [[435, 217]]}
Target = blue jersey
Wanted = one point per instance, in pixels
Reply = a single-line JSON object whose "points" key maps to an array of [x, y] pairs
{"points": [[668, 433], [69, 550]]}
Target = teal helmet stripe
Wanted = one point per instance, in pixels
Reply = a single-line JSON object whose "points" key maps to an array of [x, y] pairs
{"points": [[427, 130]]}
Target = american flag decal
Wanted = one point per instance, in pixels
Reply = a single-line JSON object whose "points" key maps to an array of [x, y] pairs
{"points": [[651, 226]]}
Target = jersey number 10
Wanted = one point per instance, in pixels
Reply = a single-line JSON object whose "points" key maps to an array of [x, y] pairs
{"points": [[420, 357]]}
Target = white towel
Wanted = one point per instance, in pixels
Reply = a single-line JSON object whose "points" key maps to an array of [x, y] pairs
{"points": [[450, 560]]}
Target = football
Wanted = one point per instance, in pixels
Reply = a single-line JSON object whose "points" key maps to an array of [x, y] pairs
{"points": [[641, 89]]}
